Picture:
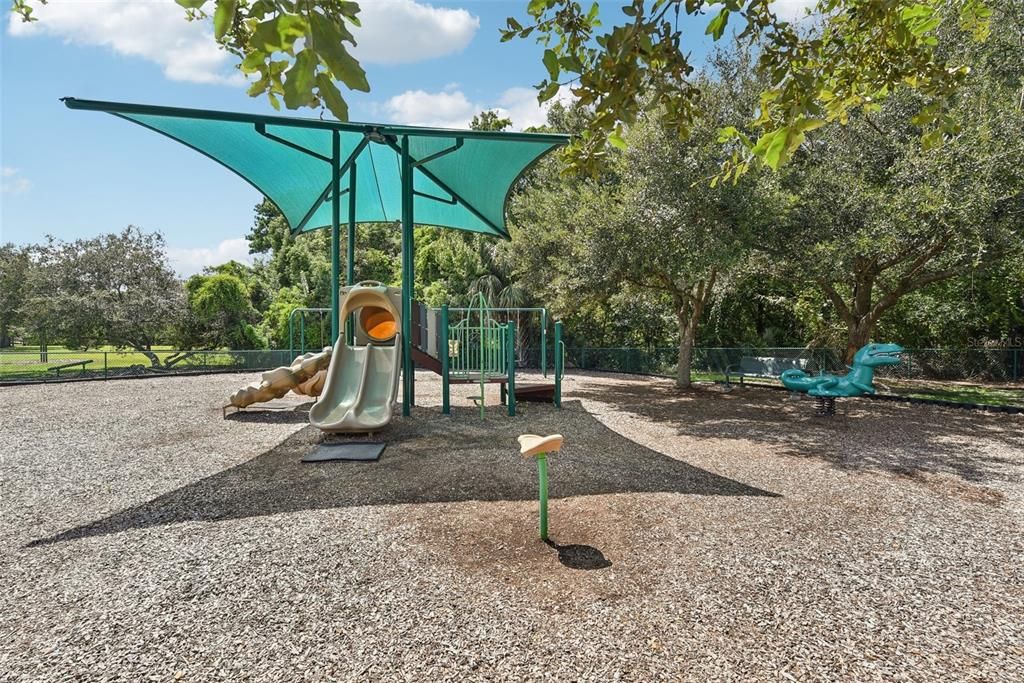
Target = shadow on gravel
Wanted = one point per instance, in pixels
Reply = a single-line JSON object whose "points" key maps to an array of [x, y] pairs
{"points": [[900, 438], [430, 459], [285, 415], [585, 557]]}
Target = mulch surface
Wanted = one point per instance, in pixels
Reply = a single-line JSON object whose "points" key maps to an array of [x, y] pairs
{"points": [[695, 535]]}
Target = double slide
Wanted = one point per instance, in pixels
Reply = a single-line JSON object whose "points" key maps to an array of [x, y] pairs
{"points": [[362, 380]]}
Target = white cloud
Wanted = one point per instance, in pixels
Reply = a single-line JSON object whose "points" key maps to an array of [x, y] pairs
{"points": [[191, 261], [450, 108], [520, 105], [13, 182], [792, 10], [446, 109], [155, 30], [405, 31], [392, 32]]}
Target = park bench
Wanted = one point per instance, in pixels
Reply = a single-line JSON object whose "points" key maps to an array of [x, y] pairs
{"points": [[763, 367], [55, 369]]}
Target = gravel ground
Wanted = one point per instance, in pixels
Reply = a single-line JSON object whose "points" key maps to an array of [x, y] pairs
{"points": [[696, 536]]}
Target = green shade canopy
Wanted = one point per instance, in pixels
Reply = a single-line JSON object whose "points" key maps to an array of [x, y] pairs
{"points": [[461, 178]]}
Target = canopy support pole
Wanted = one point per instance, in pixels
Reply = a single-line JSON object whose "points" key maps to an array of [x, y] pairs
{"points": [[335, 232], [350, 251], [408, 372]]}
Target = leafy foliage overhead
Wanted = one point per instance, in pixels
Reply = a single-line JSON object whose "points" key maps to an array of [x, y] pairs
{"points": [[854, 55]]}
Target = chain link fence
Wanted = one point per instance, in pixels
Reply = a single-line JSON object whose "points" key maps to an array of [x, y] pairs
{"points": [[977, 365], [998, 367], [63, 365]]}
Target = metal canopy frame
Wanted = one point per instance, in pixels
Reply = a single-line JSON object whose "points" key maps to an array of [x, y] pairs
{"points": [[395, 137]]}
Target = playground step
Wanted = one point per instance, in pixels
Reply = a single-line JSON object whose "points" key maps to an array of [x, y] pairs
{"points": [[538, 393]]}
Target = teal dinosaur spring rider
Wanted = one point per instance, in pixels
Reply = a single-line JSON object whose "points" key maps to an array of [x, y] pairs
{"points": [[826, 388]]}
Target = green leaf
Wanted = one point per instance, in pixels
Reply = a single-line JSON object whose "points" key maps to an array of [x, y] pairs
{"points": [[615, 139], [932, 139], [551, 64], [920, 19], [331, 96], [804, 125], [299, 80], [716, 27], [771, 148], [253, 61], [256, 87], [328, 41], [224, 17], [279, 33], [536, 7], [350, 10], [191, 4], [975, 17], [547, 91], [728, 133]]}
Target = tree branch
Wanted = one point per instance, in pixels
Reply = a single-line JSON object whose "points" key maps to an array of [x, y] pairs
{"points": [[837, 301]]}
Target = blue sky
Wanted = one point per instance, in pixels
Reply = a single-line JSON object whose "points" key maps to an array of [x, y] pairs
{"points": [[78, 174]]}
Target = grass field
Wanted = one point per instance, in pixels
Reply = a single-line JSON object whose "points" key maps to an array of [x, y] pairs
{"points": [[27, 363]]}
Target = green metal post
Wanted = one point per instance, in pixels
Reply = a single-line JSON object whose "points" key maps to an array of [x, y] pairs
{"points": [[291, 332], [542, 476], [446, 404], [1016, 357], [482, 363], [302, 332], [350, 250], [544, 341], [511, 331], [335, 234], [559, 364], [407, 282]]}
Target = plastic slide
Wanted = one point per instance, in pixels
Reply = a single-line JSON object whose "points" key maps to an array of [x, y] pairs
{"points": [[362, 380], [304, 376]]}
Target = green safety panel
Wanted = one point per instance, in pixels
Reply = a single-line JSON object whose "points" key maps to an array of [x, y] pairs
{"points": [[464, 189]]}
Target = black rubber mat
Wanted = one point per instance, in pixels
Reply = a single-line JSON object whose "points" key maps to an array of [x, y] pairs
{"points": [[360, 451]]}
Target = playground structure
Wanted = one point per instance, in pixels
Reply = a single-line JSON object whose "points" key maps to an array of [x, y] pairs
{"points": [[305, 376], [358, 381], [479, 349], [457, 179], [826, 388]]}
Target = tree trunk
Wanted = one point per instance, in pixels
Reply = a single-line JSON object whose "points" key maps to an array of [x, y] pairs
{"points": [[687, 334], [690, 304], [174, 359], [154, 360], [858, 333]]}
